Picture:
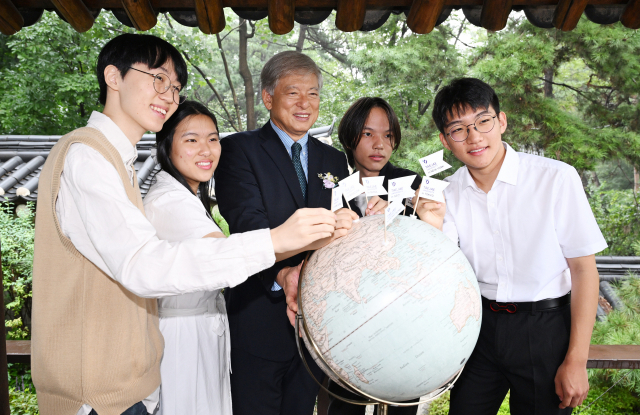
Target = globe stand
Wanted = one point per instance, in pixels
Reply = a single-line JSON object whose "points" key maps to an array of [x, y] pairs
{"points": [[383, 405]]}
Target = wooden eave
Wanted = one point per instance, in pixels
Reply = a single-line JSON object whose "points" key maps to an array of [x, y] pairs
{"points": [[422, 15]]}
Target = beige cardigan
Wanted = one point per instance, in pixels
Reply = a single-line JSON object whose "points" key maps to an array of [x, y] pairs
{"points": [[93, 341]]}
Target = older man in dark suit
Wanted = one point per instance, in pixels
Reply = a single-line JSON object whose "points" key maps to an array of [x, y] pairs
{"points": [[262, 178]]}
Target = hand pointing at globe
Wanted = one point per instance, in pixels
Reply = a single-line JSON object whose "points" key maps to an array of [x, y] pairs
{"points": [[430, 211]]}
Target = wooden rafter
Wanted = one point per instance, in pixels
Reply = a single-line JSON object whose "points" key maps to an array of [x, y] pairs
{"points": [[423, 15], [281, 15], [140, 13], [210, 15], [631, 15], [495, 14], [568, 13], [76, 13], [350, 14], [10, 18]]}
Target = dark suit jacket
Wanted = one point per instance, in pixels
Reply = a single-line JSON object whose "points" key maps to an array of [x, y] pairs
{"points": [[389, 171], [256, 188]]}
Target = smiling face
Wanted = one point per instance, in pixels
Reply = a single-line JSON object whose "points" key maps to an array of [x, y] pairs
{"points": [[294, 104], [195, 150], [376, 144], [482, 153], [133, 103]]}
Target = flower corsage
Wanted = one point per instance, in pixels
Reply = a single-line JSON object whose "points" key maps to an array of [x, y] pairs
{"points": [[329, 181]]}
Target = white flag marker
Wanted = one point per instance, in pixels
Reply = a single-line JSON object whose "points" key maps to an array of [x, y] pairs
{"points": [[390, 214], [434, 163], [351, 186], [373, 186], [336, 198], [432, 189], [399, 188]]}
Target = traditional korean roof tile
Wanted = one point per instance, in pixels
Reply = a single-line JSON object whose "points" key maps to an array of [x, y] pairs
{"points": [[22, 158]]}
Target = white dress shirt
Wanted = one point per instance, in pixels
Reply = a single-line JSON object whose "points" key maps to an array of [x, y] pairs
{"points": [[95, 213], [518, 235]]}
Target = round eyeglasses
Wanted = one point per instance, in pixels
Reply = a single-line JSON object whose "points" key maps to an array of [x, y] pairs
{"points": [[162, 83], [482, 124]]}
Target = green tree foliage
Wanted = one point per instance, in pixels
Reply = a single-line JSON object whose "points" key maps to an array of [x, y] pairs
{"points": [[618, 217], [48, 76], [16, 238]]}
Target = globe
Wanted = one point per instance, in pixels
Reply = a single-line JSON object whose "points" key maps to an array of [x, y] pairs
{"points": [[395, 319]]}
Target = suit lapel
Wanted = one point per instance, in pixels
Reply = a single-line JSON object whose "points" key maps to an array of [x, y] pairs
{"points": [[315, 188], [273, 146]]}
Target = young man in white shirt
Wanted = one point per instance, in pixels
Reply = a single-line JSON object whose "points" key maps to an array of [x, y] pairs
{"points": [[91, 232], [525, 225]]}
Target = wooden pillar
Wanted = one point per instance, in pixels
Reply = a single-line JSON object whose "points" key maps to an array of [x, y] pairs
{"points": [[631, 16], [281, 14], [495, 14], [350, 14], [568, 14], [210, 16], [76, 13], [10, 18], [423, 15], [4, 375], [140, 13]]}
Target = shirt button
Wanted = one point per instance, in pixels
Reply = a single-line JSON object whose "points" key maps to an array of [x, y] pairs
{"points": [[499, 258], [496, 232]]}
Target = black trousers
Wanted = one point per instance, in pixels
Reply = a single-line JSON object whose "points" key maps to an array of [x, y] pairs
{"points": [[339, 407], [265, 387], [519, 352], [136, 409]]}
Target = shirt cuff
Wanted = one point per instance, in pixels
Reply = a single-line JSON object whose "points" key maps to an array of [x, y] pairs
{"points": [[258, 251], [276, 287]]}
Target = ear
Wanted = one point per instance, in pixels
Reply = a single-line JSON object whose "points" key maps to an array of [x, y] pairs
{"points": [[502, 117], [444, 142], [267, 99], [112, 77]]}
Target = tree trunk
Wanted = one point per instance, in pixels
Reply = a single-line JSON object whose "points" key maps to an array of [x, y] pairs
{"points": [[548, 86], [636, 180], [301, 37], [249, 93]]}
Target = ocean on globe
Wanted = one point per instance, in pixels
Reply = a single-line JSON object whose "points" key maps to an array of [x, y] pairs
{"points": [[395, 320]]}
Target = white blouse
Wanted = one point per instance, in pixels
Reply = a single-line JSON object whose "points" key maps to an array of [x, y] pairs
{"points": [[196, 363]]}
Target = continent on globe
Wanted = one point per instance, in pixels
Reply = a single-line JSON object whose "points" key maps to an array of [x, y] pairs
{"points": [[466, 305]]}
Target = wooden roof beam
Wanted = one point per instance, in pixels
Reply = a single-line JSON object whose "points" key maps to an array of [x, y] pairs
{"points": [[75, 13], [281, 16], [423, 15], [350, 15], [140, 13], [210, 16], [10, 18], [495, 14], [568, 14], [631, 15]]}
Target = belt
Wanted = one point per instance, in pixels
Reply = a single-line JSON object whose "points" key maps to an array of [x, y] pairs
{"points": [[532, 306]]}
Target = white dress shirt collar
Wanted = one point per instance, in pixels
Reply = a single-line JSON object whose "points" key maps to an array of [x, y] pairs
{"points": [[116, 137], [508, 171]]}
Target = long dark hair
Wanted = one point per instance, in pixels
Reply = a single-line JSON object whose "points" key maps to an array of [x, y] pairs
{"points": [[164, 141], [352, 124]]}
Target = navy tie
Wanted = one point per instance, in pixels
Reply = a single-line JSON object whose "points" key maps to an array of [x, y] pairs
{"points": [[296, 148]]}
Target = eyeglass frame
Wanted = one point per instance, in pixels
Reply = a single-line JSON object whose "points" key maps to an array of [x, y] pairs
{"points": [[475, 127], [155, 76]]}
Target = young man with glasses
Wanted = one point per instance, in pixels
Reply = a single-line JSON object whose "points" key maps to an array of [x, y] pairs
{"points": [[98, 264], [525, 225]]}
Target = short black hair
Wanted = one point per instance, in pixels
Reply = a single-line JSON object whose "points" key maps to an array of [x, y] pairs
{"points": [[164, 142], [128, 49], [352, 124], [460, 94]]}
